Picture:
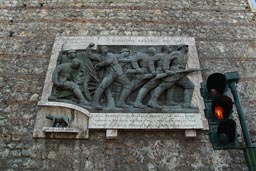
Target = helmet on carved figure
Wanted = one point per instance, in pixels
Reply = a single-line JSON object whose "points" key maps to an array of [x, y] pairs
{"points": [[151, 51]]}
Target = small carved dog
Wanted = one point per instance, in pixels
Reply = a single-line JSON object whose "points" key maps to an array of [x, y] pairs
{"points": [[59, 120]]}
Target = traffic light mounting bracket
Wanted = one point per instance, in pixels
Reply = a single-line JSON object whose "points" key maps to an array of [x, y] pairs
{"points": [[232, 77]]}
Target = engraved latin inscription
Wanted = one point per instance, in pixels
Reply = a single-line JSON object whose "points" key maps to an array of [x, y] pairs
{"points": [[145, 120]]}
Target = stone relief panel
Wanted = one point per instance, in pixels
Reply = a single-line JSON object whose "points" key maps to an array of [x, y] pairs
{"points": [[125, 78], [114, 81]]}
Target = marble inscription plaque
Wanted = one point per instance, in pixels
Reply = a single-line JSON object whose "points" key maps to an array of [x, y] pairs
{"points": [[145, 121]]}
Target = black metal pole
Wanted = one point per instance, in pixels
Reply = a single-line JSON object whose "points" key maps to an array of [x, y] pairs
{"points": [[250, 157], [240, 112]]}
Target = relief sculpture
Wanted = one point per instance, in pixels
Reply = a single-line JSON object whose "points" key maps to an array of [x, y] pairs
{"points": [[125, 78]]}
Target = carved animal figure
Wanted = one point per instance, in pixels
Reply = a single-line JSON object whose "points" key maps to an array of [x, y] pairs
{"points": [[59, 120]]}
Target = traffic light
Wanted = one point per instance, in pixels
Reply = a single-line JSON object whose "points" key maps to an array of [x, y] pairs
{"points": [[218, 110]]}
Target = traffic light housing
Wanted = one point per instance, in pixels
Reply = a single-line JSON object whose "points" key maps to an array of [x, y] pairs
{"points": [[218, 110]]}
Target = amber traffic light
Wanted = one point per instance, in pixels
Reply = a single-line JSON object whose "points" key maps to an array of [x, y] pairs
{"points": [[222, 107], [219, 112]]}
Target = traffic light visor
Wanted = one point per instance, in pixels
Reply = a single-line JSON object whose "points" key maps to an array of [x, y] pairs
{"points": [[216, 84]]}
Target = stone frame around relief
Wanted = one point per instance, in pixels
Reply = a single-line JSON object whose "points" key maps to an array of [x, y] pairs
{"points": [[130, 120]]}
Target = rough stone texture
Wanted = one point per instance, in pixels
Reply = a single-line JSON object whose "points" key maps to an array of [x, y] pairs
{"points": [[225, 35]]}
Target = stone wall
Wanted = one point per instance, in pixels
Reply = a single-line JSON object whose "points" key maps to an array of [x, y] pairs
{"points": [[225, 35]]}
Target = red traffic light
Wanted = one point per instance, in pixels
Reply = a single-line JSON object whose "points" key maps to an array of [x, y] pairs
{"points": [[222, 107]]}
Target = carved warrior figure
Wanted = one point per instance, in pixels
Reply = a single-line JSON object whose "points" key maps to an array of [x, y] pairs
{"points": [[112, 72], [87, 71], [59, 120], [78, 70], [63, 78], [142, 69], [158, 64], [175, 76]]}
